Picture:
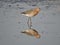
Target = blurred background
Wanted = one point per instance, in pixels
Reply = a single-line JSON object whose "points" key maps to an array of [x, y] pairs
{"points": [[47, 22]]}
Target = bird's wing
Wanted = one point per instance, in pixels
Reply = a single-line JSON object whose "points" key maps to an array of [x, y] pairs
{"points": [[27, 33], [27, 12], [34, 30]]}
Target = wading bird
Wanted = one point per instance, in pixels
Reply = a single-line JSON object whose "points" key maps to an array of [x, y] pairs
{"points": [[30, 13]]}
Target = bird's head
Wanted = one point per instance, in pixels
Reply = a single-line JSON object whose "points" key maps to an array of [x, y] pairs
{"points": [[38, 36], [37, 9]]}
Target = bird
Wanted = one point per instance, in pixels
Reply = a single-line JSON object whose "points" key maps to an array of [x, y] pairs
{"points": [[31, 32], [31, 13]]}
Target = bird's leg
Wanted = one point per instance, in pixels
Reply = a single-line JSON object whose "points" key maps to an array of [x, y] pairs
{"points": [[29, 22]]}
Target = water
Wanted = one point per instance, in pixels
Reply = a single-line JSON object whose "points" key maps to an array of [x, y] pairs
{"points": [[47, 23]]}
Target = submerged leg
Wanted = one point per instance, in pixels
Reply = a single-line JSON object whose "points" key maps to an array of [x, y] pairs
{"points": [[29, 23]]}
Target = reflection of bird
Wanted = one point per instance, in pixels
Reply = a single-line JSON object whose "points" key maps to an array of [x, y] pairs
{"points": [[32, 32], [31, 13]]}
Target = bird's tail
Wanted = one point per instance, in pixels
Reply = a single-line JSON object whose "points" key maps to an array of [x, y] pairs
{"points": [[23, 13], [23, 32]]}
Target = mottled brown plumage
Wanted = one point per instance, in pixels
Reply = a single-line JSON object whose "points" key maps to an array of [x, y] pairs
{"points": [[31, 12]]}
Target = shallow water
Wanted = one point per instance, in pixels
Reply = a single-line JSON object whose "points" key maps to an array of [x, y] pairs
{"points": [[46, 23]]}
